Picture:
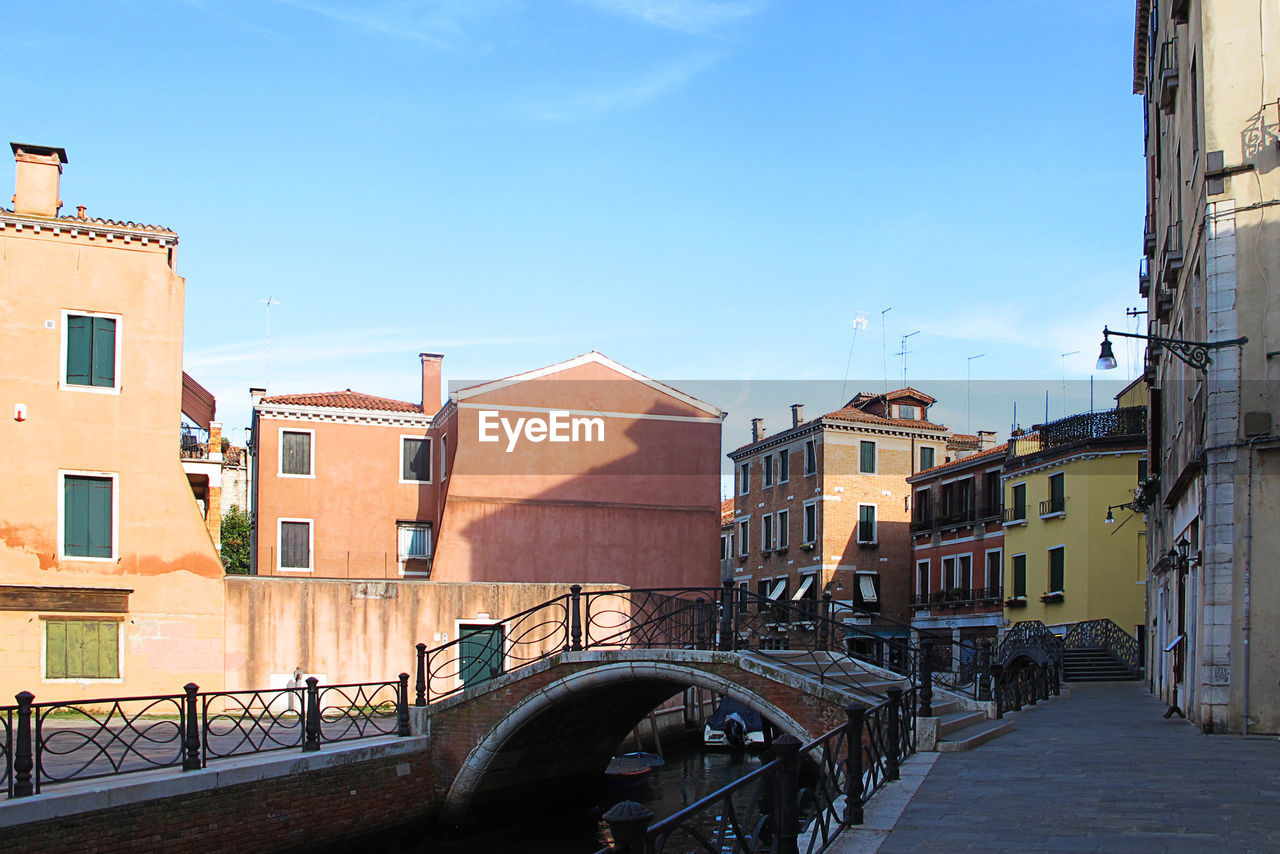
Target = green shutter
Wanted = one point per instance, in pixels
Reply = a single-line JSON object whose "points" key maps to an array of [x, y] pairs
{"points": [[108, 650], [91, 649], [86, 516], [79, 349], [99, 517], [1019, 575], [868, 461], [75, 649], [104, 352], [1057, 561], [55, 655]]}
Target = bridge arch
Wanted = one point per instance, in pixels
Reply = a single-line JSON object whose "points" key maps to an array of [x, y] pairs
{"points": [[560, 737]]}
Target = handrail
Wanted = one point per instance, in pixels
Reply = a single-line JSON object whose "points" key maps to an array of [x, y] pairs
{"points": [[1030, 636]]}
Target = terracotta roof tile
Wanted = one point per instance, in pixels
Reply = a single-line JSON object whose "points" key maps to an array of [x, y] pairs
{"points": [[88, 221], [848, 414], [998, 449], [344, 400], [726, 510]]}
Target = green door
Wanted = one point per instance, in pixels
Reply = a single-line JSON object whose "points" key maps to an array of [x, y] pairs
{"points": [[481, 652]]}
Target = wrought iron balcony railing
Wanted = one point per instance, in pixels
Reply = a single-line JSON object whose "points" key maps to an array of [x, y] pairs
{"points": [[1053, 505]]}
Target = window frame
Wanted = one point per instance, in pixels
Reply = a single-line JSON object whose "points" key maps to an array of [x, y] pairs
{"points": [[403, 559], [429, 458], [114, 477], [810, 537], [782, 530], [744, 478], [1013, 502], [62, 362], [119, 621], [926, 564], [311, 456], [744, 537], [810, 457], [766, 533], [444, 458], [311, 545], [862, 454], [1014, 566], [875, 522], [998, 576], [1062, 550], [933, 457], [784, 466], [767, 463]]}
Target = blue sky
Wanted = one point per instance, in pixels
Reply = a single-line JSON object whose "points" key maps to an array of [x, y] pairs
{"points": [[701, 190]]}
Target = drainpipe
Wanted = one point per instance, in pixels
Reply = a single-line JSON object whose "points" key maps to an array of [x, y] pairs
{"points": [[1248, 559]]}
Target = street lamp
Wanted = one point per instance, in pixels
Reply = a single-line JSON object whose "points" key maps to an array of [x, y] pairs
{"points": [[1194, 353], [1111, 519]]}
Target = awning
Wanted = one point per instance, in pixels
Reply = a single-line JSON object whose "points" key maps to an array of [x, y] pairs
{"points": [[804, 587], [777, 588], [867, 588], [198, 403]]}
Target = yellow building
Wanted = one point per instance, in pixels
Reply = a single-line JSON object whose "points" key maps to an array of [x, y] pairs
{"points": [[1072, 554]]}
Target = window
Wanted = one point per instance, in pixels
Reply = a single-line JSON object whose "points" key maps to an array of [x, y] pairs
{"points": [[296, 453], [444, 457], [948, 573], [784, 467], [768, 469], [922, 578], [766, 533], [1057, 568], [1142, 471], [744, 537], [784, 525], [82, 649], [726, 546], [868, 589], [744, 478], [743, 588], [810, 532], [867, 457], [1019, 575], [811, 457], [807, 594], [964, 576], [1019, 503], [295, 545], [991, 494], [911, 413], [414, 546], [866, 523], [992, 581], [921, 513], [1057, 493], [91, 350], [88, 516], [415, 460], [926, 458]]}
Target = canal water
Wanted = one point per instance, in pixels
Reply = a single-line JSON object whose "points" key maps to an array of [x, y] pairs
{"points": [[688, 775]]}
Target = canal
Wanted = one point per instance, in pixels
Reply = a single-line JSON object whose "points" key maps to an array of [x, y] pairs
{"points": [[690, 773]]}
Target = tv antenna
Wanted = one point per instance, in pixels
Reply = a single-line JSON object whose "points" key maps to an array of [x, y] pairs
{"points": [[859, 322], [884, 349], [968, 417], [903, 353], [268, 302], [1064, 382]]}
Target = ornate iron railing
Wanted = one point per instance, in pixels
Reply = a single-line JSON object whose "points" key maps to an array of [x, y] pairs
{"points": [[800, 800], [1104, 634], [57, 742], [1014, 688], [1033, 639]]}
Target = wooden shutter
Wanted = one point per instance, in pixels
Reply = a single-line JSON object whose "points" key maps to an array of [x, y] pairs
{"points": [[1019, 575], [1057, 560], [104, 352], [416, 459], [296, 453], [868, 461], [79, 349], [86, 516], [295, 545], [55, 652]]}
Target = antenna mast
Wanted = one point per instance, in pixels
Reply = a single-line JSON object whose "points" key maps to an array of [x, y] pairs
{"points": [[268, 302]]}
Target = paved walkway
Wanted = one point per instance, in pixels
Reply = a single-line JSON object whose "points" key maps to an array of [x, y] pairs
{"points": [[1097, 771]]}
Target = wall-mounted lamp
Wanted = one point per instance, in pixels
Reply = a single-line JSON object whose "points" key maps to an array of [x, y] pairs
{"points": [[1194, 353], [1111, 519]]}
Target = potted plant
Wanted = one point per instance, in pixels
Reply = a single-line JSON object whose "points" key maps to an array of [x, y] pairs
{"points": [[1051, 598]]}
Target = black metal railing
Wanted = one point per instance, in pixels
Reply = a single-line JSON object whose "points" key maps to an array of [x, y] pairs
{"points": [[1031, 639], [1014, 688], [1053, 505], [58, 742], [802, 799], [955, 597], [1015, 514], [1125, 421], [1104, 634]]}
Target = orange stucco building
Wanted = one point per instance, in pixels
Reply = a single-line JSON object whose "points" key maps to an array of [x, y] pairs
{"points": [[110, 582], [584, 471]]}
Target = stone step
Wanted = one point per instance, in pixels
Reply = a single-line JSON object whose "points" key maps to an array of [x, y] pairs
{"points": [[943, 708], [953, 722], [972, 736]]}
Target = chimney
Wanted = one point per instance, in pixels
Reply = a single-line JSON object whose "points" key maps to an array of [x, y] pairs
{"points": [[431, 381], [38, 172], [256, 394], [797, 414], [986, 439], [757, 429]]}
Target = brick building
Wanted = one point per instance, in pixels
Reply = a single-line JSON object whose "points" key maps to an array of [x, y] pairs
{"points": [[824, 504]]}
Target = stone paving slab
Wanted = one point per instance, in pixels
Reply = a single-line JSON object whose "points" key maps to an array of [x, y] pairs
{"points": [[1099, 771]]}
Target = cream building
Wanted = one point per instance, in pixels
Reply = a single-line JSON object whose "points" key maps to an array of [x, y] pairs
{"points": [[1210, 271]]}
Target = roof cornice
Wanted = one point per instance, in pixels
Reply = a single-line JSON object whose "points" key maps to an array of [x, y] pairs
{"points": [[90, 229], [379, 417]]}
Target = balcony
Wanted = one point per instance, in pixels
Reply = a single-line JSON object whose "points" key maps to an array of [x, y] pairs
{"points": [[1144, 275], [990, 512], [926, 522], [1148, 237], [1015, 515], [1168, 84], [1121, 423], [958, 597], [1171, 255], [1053, 508]]}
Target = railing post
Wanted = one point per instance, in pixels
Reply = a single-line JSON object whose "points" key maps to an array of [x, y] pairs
{"points": [[983, 675], [824, 630], [628, 823], [997, 688], [1033, 683], [22, 757], [926, 678], [311, 726], [727, 611], [191, 729], [895, 733], [786, 823], [700, 606], [575, 618], [402, 706], [420, 687], [854, 712]]}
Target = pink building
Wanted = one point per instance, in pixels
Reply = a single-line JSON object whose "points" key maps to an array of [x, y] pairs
{"points": [[584, 471]]}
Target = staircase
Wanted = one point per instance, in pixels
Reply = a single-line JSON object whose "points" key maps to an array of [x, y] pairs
{"points": [[962, 729], [1094, 664]]}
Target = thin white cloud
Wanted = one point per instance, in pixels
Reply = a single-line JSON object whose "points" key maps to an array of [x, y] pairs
{"points": [[441, 24], [657, 83], [687, 16]]}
